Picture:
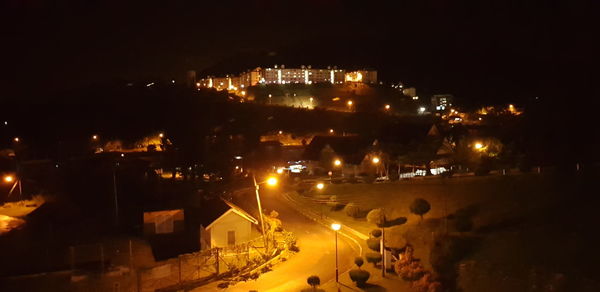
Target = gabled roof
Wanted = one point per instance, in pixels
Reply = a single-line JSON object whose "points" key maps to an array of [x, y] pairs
{"points": [[216, 209], [352, 149]]}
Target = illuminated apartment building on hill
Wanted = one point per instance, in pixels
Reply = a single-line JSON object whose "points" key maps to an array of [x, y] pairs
{"points": [[282, 75]]}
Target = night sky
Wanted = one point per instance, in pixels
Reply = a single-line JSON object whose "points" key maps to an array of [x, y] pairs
{"points": [[478, 52]]}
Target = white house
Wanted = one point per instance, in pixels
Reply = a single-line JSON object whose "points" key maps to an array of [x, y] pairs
{"points": [[225, 224]]}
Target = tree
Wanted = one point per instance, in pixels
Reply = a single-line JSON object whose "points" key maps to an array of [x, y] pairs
{"points": [[420, 207], [359, 276], [314, 281], [352, 210], [373, 257], [359, 262]]}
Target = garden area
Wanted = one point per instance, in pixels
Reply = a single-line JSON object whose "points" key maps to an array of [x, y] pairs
{"points": [[492, 233]]}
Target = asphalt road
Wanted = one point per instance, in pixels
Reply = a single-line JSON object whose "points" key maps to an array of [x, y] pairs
{"points": [[316, 256]]}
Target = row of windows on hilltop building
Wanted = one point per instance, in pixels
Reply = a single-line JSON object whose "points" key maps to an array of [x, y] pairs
{"points": [[282, 75]]}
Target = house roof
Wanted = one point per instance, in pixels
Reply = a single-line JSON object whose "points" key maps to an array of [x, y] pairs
{"points": [[215, 209], [352, 149]]}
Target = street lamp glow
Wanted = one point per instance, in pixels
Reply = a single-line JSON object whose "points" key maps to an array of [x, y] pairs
{"points": [[375, 160], [279, 170], [272, 181], [337, 162], [478, 146], [95, 137], [9, 178], [350, 103], [16, 139], [161, 135], [336, 226], [320, 186], [387, 106]]}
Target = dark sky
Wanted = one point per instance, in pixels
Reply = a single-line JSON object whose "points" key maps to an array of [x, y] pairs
{"points": [[497, 52]]}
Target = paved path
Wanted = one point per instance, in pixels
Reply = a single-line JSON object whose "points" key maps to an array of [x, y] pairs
{"points": [[316, 256]]}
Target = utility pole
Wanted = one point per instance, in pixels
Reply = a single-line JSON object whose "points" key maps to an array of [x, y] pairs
{"points": [[262, 221]]}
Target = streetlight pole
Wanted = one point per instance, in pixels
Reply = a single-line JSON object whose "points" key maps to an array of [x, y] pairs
{"points": [[336, 227], [262, 222], [336, 258]]}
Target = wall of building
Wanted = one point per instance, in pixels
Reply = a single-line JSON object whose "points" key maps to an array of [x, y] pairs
{"points": [[230, 222]]}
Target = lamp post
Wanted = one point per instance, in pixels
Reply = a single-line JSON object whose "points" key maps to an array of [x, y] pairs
{"points": [[336, 227], [270, 181]]}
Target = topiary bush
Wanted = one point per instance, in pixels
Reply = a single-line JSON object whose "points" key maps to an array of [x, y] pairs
{"points": [[360, 277], [377, 217], [376, 233], [358, 261], [373, 257], [313, 281], [420, 207], [352, 210], [373, 244]]}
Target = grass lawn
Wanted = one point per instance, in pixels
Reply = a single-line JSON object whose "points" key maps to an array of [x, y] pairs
{"points": [[531, 230]]}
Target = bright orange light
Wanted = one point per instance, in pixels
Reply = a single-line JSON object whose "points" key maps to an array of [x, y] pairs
{"points": [[330, 131], [272, 181], [478, 146], [280, 132], [336, 226], [353, 77], [279, 170], [375, 160], [337, 162], [161, 135], [335, 99], [9, 178], [95, 137], [16, 139], [350, 103], [387, 106], [320, 186]]}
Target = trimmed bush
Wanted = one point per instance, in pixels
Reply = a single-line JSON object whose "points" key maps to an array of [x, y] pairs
{"points": [[360, 277], [373, 257], [358, 261], [373, 244], [376, 233], [420, 207], [313, 281], [377, 217], [352, 210]]}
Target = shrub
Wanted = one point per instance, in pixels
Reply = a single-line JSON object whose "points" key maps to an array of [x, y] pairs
{"points": [[375, 232], [313, 281], [359, 276], [411, 272], [373, 244], [333, 204], [373, 257], [223, 285], [352, 210], [420, 207], [377, 217], [359, 262]]}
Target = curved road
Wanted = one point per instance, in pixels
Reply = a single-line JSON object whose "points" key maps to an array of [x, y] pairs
{"points": [[316, 256]]}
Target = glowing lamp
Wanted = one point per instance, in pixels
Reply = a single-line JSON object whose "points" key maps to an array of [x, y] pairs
{"points": [[375, 160], [9, 178], [337, 162], [336, 226], [272, 181], [320, 186]]}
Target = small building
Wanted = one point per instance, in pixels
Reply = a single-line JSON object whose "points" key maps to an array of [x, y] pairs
{"points": [[163, 222], [225, 224]]}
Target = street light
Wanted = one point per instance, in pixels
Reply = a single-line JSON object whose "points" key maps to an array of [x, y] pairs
{"points": [[8, 178], [336, 227], [337, 162], [16, 139], [375, 160], [320, 186], [95, 137], [161, 135], [271, 181], [387, 107]]}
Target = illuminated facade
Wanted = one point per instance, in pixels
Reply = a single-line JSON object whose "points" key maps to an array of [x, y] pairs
{"points": [[282, 75], [441, 102]]}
